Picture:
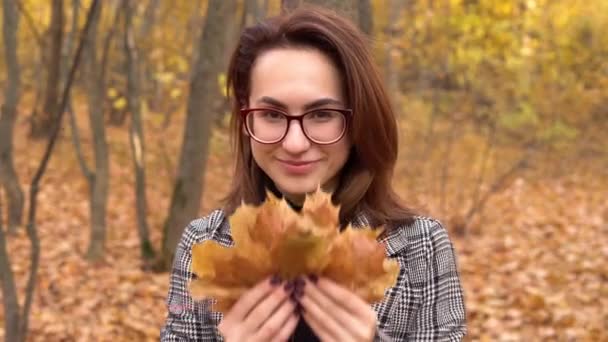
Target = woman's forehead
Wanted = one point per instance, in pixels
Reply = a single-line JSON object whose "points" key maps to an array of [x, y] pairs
{"points": [[294, 77]]}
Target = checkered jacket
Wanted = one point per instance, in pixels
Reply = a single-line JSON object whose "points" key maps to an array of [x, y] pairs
{"points": [[426, 303]]}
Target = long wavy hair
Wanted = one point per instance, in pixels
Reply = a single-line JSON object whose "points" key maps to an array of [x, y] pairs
{"points": [[365, 183]]}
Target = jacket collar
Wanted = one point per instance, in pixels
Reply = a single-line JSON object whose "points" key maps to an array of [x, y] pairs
{"points": [[395, 241]]}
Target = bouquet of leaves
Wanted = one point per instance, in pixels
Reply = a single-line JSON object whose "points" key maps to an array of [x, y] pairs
{"points": [[275, 239]]}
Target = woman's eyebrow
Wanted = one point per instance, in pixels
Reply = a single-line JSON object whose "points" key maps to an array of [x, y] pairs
{"points": [[322, 102], [314, 104]]}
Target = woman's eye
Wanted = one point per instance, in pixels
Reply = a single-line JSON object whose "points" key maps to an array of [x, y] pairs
{"points": [[322, 115], [269, 114]]}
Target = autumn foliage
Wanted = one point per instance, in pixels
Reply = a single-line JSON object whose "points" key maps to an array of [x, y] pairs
{"points": [[273, 238]]}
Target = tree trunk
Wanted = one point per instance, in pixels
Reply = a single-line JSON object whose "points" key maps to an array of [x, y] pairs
{"points": [[147, 70], [69, 42], [149, 18], [347, 8], [393, 34], [366, 17], [289, 5], [75, 135], [99, 187], [252, 13], [136, 133], [232, 29], [42, 124], [116, 116], [8, 114], [9, 290], [187, 191], [72, 116]]}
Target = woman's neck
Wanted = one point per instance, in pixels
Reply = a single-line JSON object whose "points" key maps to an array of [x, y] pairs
{"points": [[297, 200]]}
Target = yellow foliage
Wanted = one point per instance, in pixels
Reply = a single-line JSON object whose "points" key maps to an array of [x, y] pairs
{"points": [[120, 103], [221, 82], [175, 93], [112, 93]]}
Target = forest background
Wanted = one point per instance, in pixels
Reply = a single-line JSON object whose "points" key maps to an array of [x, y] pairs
{"points": [[503, 113]]}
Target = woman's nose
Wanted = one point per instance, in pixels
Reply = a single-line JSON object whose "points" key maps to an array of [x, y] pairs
{"points": [[295, 141]]}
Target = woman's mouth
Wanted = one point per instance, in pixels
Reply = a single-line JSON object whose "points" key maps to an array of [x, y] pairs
{"points": [[298, 167]]}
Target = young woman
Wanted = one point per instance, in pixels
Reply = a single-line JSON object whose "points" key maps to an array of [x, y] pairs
{"points": [[309, 109]]}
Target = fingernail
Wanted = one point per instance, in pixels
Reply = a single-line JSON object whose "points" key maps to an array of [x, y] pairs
{"points": [[275, 280], [298, 292], [299, 283], [313, 277]]}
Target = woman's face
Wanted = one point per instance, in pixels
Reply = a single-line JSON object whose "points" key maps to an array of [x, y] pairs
{"points": [[295, 81]]}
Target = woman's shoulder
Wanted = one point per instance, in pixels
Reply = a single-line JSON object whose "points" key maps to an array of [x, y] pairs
{"points": [[213, 226], [420, 233]]}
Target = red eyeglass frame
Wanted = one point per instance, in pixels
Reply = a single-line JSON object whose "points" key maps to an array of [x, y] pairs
{"points": [[346, 112]]}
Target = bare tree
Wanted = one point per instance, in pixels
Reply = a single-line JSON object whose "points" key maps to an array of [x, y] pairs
{"points": [[72, 116], [42, 121], [347, 8], [136, 132], [69, 41], [9, 290], [116, 116], [149, 20], [460, 224], [75, 134], [188, 187], [98, 184], [16, 323], [289, 5], [8, 113], [231, 37], [366, 16], [41, 61], [394, 31], [252, 12]]}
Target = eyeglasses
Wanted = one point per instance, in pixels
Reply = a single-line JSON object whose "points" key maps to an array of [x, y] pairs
{"points": [[321, 126]]}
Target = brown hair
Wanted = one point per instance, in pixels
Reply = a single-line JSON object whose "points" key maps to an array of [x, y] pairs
{"points": [[365, 184]]}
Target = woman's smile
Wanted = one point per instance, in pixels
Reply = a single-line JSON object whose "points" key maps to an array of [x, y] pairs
{"points": [[298, 167]]}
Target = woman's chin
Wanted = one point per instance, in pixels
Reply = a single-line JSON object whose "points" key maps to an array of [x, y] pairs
{"points": [[294, 191]]}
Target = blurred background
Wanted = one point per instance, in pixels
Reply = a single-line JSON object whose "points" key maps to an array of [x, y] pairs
{"points": [[503, 113]]}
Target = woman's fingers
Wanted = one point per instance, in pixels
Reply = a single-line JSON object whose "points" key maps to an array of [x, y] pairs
{"points": [[322, 315], [258, 317], [347, 299], [275, 315], [286, 319], [335, 308], [322, 333], [267, 312], [251, 298], [288, 327]]}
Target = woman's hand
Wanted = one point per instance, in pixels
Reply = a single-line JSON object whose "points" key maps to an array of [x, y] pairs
{"points": [[264, 313], [335, 313]]}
